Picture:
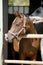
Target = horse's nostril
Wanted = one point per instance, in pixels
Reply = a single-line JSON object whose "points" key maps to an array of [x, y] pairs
{"points": [[6, 37]]}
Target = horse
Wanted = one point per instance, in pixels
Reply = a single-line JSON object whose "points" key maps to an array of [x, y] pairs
{"points": [[20, 27]]}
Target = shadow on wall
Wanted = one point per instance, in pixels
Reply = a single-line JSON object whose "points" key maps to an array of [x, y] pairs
{"points": [[11, 17]]}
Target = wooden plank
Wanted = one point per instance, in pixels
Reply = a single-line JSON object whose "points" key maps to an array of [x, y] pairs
{"points": [[23, 62], [33, 36]]}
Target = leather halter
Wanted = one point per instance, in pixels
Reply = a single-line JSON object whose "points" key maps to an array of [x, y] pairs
{"points": [[17, 34]]}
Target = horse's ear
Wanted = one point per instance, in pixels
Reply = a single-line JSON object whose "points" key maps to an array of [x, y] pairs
{"points": [[16, 13], [21, 15], [28, 17]]}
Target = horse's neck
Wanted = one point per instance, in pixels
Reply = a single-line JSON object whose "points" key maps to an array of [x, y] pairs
{"points": [[32, 29]]}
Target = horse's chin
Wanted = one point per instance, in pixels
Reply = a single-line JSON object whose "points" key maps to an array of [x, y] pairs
{"points": [[10, 41]]}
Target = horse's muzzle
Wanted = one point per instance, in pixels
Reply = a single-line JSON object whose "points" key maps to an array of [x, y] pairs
{"points": [[7, 39]]}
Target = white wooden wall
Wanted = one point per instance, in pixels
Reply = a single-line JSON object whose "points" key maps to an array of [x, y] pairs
{"points": [[1, 31]]}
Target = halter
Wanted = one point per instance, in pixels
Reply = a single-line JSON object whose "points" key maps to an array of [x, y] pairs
{"points": [[23, 28]]}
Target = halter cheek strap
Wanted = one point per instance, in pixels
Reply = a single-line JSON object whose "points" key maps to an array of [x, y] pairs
{"points": [[24, 24]]}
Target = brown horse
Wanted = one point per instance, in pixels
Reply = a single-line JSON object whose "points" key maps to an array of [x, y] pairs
{"points": [[20, 27]]}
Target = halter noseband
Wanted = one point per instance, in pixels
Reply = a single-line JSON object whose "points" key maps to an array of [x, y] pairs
{"points": [[23, 28]]}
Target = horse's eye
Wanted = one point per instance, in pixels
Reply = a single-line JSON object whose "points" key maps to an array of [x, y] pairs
{"points": [[17, 24]]}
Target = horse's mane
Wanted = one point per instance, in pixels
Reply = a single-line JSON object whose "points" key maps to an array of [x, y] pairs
{"points": [[32, 29]]}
